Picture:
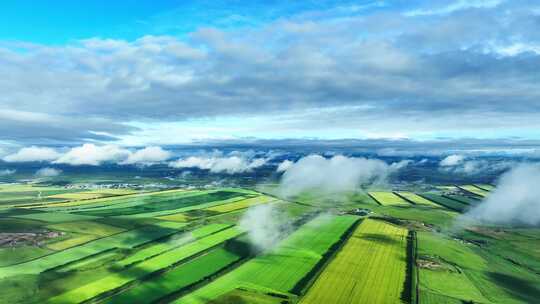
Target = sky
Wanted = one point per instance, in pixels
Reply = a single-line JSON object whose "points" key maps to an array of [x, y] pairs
{"points": [[143, 73]]}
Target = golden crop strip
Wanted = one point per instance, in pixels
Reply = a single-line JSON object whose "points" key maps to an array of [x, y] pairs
{"points": [[370, 268], [388, 199], [241, 204], [101, 200], [417, 199]]}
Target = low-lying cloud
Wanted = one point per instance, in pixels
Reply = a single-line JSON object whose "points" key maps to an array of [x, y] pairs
{"points": [[33, 154], [48, 172], [452, 160], [148, 155], [460, 164], [220, 164], [284, 165], [266, 225], [90, 154], [516, 199], [6, 172], [334, 175]]}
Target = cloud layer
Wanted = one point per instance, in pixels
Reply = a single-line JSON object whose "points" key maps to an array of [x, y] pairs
{"points": [[423, 70], [220, 164], [334, 175], [90, 154]]}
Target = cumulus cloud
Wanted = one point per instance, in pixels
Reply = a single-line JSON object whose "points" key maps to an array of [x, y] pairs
{"points": [[334, 175], [90, 154], [220, 164], [32, 154], [266, 225], [514, 201], [284, 165], [459, 164], [6, 172], [148, 155], [48, 172], [452, 160]]}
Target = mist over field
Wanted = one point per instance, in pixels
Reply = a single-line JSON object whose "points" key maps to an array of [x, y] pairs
{"points": [[516, 199], [333, 175]]}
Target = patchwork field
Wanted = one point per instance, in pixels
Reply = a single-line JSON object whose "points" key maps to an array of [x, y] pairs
{"points": [[187, 246]]}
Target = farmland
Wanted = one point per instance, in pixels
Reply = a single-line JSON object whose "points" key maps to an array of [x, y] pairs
{"points": [[388, 198], [192, 246]]}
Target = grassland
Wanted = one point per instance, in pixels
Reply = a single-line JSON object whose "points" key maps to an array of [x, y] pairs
{"points": [[283, 268], [388, 199], [370, 268]]}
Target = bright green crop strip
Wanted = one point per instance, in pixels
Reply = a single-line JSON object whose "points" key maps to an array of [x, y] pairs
{"points": [[178, 278], [144, 268], [281, 269], [181, 239]]}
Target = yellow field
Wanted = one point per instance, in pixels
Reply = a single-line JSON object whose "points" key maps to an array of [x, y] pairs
{"points": [[78, 195], [417, 199], [177, 217], [72, 242], [370, 268], [486, 187], [241, 204], [388, 199], [101, 200], [475, 190]]}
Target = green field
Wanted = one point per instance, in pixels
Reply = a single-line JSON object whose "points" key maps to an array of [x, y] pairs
{"points": [[446, 202], [144, 268], [370, 268], [281, 269], [180, 277]]}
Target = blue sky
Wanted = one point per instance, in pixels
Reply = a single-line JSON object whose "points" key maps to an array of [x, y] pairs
{"points": [[63, 21], [174, 72]]}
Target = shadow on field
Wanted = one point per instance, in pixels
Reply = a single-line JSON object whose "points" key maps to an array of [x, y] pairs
{"points": [[517, 287], [380, 238]]}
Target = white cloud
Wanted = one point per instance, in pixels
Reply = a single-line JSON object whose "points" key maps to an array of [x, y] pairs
{"points": [[148, 155], [90, 154], [452, 160], [284, 165], [7, 172], [227, 164], [48, 172], [334, 175], [455, 6], [514, 200], [33, 153]]}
